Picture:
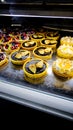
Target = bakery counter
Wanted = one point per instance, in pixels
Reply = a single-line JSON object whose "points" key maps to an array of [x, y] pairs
{"points": [[53, 96]]}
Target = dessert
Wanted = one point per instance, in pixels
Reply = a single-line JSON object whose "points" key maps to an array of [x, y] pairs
{"points": [[53, 35], [37, 37], [43, 52], [6, 39], [9, 47], [3, 58], [63, 68], [68, 40], [49, 43], [19, 57], [65, 51], [29, 45], [35, 70], [21, 37]]}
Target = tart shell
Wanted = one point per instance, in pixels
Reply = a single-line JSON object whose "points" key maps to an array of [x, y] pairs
{"points": [[35, 76], [19, 62], [47, 57]]}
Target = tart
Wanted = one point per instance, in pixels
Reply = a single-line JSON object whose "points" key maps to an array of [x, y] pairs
{"points": [[29, 45], [49, 43], [19, 57], [21, 37], [43, 52], [65, 51], [6, 39], [37, 37], [35, 70], [54, 35], [3, 58], [63, 68], [11, 46], [68, 40]]}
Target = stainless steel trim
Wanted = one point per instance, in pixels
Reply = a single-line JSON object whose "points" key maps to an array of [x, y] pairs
{"points": [[36, 16], [42, 101]]}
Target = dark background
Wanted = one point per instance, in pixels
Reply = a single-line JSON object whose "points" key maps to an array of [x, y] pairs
{"points": [[25, 117]]}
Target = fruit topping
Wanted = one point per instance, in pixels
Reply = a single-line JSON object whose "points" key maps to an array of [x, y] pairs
{"points": [[32, 68], [39, 64]]}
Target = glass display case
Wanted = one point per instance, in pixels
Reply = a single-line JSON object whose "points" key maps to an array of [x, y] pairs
{"points": [[20, 22]]}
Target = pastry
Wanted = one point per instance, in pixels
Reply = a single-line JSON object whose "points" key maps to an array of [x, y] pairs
{"points": [[65, 51], [6, 39], [37, 37], [68, 40], [43, 52], [21, 37], [35, 70], [3, 58], [63, 67], [29, 45], [49, 43], [19, 57], [11, 47], [53, 35]]}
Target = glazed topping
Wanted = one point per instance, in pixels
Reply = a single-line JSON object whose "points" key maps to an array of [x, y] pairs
{"points": [[29, 44], [6, 38], [43, 51], [32, 68], [14, 45], [23, 36], [49, 41], [20, 55], [63, 65], [67, 40], [35, 66], [37, 36], [66, 49], [2, 56]]}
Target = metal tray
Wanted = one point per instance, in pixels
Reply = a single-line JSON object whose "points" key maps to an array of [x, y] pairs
{"points": [[14, 74]]}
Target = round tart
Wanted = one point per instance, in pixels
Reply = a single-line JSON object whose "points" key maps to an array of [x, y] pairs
{"points": [[11, 46], [37, 37], [65, 51], [21, 37], [49, 43], [6, 39], [29, 45], [35, 70], [19, 57], [43, 52], [54, 35], [3, 58], [68, 40], [63, 68]]}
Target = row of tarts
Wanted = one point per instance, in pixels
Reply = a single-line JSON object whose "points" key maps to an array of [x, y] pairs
{"points": [[34, 51]]}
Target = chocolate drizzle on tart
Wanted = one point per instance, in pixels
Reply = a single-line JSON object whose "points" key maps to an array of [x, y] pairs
{"points": [[37, 36], [49, 42], [35, 66], [20, 55], [43, 51], [28, 44], [52, 34]]}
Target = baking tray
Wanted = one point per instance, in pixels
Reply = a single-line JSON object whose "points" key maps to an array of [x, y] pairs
{"points": [[53, 84]]}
